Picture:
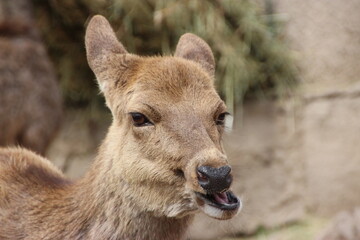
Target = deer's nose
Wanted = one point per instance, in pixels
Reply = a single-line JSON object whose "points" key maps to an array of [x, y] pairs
{"points": [[214, 180]]}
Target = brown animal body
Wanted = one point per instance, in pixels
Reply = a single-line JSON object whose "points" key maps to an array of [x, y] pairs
{"points": [[161, 161], [30, 98]]}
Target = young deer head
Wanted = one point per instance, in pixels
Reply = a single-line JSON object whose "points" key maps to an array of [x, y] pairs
{"points": [[168, 121]]}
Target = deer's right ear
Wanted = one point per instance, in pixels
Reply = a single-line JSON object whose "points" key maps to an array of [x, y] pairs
{"points": [[103, 50]]}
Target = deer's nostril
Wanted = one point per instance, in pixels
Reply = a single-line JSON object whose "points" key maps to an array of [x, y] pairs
{"points": [[228, 179], [214, 179], [202, 177]]}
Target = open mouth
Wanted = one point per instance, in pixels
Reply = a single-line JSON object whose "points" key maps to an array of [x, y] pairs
{"points": [[225, 201]]}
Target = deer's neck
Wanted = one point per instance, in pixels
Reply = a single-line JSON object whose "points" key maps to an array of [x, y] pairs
{"points": [[108, 211]]}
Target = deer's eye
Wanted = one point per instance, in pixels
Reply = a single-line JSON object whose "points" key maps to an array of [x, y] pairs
{"points": [[221, 118], [140, 120]]}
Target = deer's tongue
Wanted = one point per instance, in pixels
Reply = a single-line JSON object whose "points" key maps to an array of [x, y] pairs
{"points": [[225, 201], [221, 198]]}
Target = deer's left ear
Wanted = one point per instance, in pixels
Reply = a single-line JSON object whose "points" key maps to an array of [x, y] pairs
{"points": [[193, 48]]}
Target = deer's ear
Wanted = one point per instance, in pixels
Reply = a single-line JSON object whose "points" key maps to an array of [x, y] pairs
{"points": [[193, 48], [104, 52], [100, 40]]}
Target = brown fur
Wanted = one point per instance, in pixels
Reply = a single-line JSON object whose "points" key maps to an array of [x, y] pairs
{"points": [[141, 185], [30, 99]]}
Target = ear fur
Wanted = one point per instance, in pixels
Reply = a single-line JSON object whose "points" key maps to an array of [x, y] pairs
{"points": [[103, 50], [193, 48], [100, 39]]}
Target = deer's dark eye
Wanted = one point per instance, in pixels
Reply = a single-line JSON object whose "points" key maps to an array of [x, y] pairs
{"points": [[221, 118], [140, 120]]}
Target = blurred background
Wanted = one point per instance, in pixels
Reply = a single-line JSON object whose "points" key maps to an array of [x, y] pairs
{"points": [[288, 71]]}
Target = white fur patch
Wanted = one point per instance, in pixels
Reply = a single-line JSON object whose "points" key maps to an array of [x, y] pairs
{"points": [[103, 86], [218, 213], [212, 211], [241, 205], [180, 209], [174, 210], [229, 122]]}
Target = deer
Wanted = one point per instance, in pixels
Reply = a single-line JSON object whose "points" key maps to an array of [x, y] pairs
{"points": [[31, 105], [161, 162]]}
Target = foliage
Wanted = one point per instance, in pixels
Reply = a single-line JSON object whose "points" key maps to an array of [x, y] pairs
{"points": [[308, 228], [251, 58]]}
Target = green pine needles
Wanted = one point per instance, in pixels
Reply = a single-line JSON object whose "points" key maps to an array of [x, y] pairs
{"points": [[251, 57]]}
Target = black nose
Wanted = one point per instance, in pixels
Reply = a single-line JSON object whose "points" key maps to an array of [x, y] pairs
{"points": [[214, 180]]}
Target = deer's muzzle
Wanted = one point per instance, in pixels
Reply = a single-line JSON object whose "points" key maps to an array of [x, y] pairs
{"points": [[217, 201], [214, 180]]}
